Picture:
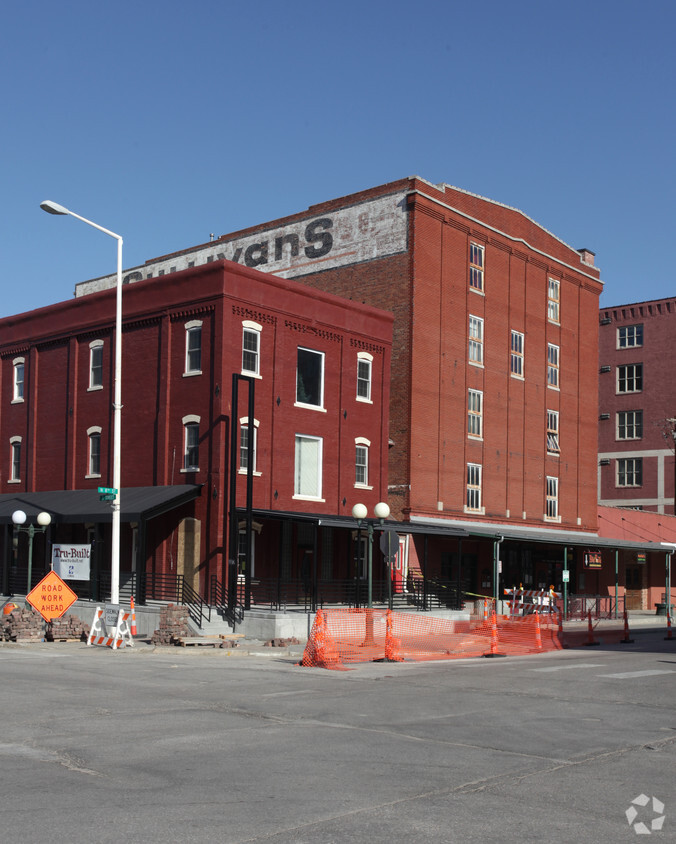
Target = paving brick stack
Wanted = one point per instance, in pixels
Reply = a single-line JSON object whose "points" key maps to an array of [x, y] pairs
{"points": [[23, 625], [173, 625], [68, 627]]}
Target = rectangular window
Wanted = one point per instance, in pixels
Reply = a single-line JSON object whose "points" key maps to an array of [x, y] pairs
{"points": [[308, 467], [244, 448], [96, 367], [630, 425], [95, 454], [15, 458], [475, 399], [193, 349], [553, 299], [630, 378], [361, 465], [310, 378], [364, 379], [552, 511], [553, 431], [251, 351], [476, 267], [630, 471], [18, 381], [516, 358], [552, 365], [241, 553], [192, 437], [476, 340], [629, 336], [473, 486]]}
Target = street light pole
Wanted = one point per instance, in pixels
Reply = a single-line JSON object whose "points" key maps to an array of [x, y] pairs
{"points": [[19, 519], [360, 512], [54, 208]]}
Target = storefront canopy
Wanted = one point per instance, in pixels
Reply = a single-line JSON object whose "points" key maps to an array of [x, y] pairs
{"points": [[137, 504]]}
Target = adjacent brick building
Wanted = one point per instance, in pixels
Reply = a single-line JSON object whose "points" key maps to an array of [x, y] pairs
{"points": [[637, 406]]}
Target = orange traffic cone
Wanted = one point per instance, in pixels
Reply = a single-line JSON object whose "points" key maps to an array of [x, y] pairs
{"points": [[133, 617], [494, 638], [538, 634], [590, 632], [626, 639]]}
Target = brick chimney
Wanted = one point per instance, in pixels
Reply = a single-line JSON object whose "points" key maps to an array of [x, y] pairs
{"points": [[587, 256]]}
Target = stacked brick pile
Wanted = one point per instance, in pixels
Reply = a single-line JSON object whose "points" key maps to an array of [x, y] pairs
{"points": [[23, 625], [67, 627], [173, 625], [281, 643]]}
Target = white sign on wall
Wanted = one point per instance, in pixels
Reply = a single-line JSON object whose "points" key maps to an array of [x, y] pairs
{"points": [[72, 562], [371, 229]]}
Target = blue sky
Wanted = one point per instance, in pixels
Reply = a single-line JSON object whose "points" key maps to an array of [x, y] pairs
{"points": [[168, 121]]}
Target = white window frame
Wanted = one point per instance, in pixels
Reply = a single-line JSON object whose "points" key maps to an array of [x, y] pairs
{"points": [[475, 351], [251, 330], [630, 336], [362, 450], [553, 365], [629, 373], [475, 414], [477, 254], [301, 491], [321, 356], [364, 376], [630, 469], [244, 426], [474, 488], [95, 351], [191, 423], [553, 300], [553, 445], [241, 553], [193, 329], [15, 460], [552, 499], [94, 432], [18, 380], [629, 420], [516, 365]]}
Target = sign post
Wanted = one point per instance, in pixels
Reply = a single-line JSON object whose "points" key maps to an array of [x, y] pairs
{"points": [[389, 545]]}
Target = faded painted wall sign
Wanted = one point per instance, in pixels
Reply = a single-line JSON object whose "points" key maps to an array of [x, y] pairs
{"points": [[351, 235]]}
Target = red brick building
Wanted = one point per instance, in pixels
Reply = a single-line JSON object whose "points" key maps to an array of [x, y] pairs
{"points": [[319, 366], [493, 405], [637, 408]]}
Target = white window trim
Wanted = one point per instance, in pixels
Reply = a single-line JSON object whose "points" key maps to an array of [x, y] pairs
{"points": [[520, 376], [556, 302], [625, 366], [557, 386], [479, 343], [556, 518], [479, 290], [250, 325], [320, 478], [620, 439], [12, 442], [623, 459], [366, 356], [189, 373], [620, 348], [18, 362], [95, 344], [244, 423], [479, 416], [191, 418], [94, 429], [317, 407], [481, 510], [551, 452], [367, 445]]}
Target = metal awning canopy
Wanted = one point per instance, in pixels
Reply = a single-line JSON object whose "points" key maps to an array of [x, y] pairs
{"points": [[551, 536], [139, 503]]}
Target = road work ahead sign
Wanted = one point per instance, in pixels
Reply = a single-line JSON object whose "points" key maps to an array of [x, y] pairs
{"points": [[51, 597]]}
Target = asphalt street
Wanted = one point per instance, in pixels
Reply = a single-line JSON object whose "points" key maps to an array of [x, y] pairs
{"points": [[199, 745]]}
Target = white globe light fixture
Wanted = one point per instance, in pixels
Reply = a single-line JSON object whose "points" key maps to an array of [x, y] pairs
{"points": [[360, 514], [19, 518]]}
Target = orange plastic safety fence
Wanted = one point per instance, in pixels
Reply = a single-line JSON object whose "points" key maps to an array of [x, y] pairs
{"points": [[368, 635]]}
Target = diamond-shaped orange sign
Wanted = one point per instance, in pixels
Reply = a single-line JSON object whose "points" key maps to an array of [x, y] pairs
{"points": [[51, 597]]}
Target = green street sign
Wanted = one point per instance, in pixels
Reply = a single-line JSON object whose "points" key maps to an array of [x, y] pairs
{"points": [[107, 497], [105, 490]]}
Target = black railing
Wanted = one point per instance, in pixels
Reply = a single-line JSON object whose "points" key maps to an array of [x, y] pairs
{"points": [[600, 606], [218, 598]]}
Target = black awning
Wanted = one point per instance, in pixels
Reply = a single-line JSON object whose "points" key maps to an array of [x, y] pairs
{"points": [[139, 503]]}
